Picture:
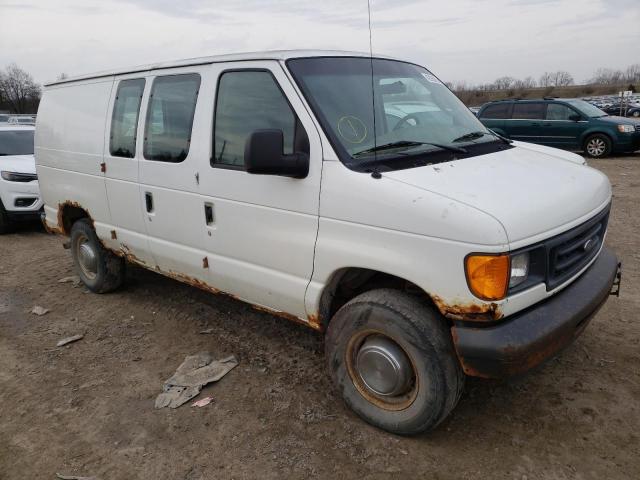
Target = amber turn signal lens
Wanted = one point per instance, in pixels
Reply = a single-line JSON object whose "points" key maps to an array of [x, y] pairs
{"points": [[488, 276]]}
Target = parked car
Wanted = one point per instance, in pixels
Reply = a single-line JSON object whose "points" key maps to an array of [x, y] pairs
{"points": [[434, 249], [564, 123], [19, 195], [21, 120], [629, 110], [4, 118]]}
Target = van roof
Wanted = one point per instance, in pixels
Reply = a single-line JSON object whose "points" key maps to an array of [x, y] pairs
{"points": [[234, 57]]}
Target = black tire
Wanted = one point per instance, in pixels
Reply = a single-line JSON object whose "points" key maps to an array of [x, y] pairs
{"points": [[635, 114], [107, 270], [5, 223], [425, 339], [597, 146]]}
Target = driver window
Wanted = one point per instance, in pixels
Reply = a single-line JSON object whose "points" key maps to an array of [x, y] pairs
{"points": [[556, 111], [251, 100]]}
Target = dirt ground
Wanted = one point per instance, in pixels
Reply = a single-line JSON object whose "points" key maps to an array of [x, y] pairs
{"points": [[88, 408]]}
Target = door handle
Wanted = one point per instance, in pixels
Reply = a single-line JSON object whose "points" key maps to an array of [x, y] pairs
{"points": [[208, 214], [148, 200]]}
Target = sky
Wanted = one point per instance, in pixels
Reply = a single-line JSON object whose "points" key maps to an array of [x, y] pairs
{"points": [[474, 41]]}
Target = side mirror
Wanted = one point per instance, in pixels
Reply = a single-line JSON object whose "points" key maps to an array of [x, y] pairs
{"points": [[575, 117], [263, 155]]}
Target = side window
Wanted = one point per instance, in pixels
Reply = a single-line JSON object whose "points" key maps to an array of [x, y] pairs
{"points": [[124, 122], [172, 103], [557, 111], [528, 111], [499, 111], [246, 101]]}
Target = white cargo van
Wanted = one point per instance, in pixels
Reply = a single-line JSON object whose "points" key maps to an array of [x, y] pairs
{"points": [[355, 195]]}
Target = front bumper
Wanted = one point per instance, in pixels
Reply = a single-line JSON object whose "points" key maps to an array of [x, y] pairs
{"points": [[534, 335]]}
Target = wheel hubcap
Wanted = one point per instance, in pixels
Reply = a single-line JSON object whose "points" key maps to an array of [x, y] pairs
{"points": [[596, 147], [383, 367], [87, 257], [381, 370]]}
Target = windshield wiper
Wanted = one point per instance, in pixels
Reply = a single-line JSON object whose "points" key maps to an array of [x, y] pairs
{"points": [[470, 136], [479, 134], [408, 143]]}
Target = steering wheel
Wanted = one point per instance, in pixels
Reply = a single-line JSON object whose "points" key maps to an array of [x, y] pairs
{"points": [[405, 119]]}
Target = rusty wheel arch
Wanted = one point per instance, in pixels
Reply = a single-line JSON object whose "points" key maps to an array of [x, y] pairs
{"points": [[347, 283], [68, 213]]}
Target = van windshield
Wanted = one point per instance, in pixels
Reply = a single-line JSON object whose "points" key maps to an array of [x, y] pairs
{"points": [[382, 112], [16, 142]]}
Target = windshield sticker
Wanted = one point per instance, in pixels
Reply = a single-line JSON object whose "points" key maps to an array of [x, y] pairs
{"points": [[431, 78], [352, 129]]}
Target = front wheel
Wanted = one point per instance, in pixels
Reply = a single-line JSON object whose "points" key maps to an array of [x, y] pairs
{"points": [[597, 146], [99, 269], [392, 358]]}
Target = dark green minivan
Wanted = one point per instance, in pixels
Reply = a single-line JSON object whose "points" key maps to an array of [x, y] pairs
{"points": [[563, 123]]}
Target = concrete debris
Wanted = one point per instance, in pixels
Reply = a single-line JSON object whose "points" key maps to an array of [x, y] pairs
{"points": [[74, 477], [194, 373], [206, 331], [38, 310], [203, 402], [68, 340], [73, 279]]}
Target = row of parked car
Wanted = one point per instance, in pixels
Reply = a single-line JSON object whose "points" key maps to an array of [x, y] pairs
{"points": [[6, 119], [567, 123]]}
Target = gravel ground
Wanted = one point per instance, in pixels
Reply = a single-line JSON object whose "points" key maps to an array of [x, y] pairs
{"points": [[87, 408]]}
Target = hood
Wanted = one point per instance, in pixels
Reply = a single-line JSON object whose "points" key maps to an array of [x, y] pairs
{"points": [[18, 163], [531, 193], [616, 120], [554, 152]]}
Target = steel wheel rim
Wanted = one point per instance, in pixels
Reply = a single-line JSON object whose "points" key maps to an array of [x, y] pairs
{"points": [[369, 351], [596, 147], [87, 257]]}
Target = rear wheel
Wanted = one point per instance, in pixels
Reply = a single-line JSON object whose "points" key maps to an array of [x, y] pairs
{"points": [[5, 224], [100, 270], [597, 146], [392, 358]]}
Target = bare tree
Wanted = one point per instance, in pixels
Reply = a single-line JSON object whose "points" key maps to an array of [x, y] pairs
{"points": [[556, 79], [607, 76], [525, 83], [632, 73], [503, 83], [18, 89], [546, 79]]}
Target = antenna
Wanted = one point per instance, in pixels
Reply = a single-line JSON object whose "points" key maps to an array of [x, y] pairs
{"points": [[373, 94]]}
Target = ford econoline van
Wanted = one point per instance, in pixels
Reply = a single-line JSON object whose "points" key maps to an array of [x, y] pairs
{"points": [[353, 194]]}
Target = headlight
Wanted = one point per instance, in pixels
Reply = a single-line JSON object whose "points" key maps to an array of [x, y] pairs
{"points": [[18, 177], [491, 276], [519, 269], [626, 128]]}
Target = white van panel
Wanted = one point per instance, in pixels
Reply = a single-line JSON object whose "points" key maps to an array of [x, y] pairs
{"points": [[71, 124], [69, 147]]}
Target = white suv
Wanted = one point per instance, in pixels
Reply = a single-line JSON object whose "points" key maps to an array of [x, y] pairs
{"points": [[19, 195], [355, 195]]}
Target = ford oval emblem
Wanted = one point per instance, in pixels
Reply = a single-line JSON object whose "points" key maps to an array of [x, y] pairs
{"points": [[587, 245]]}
